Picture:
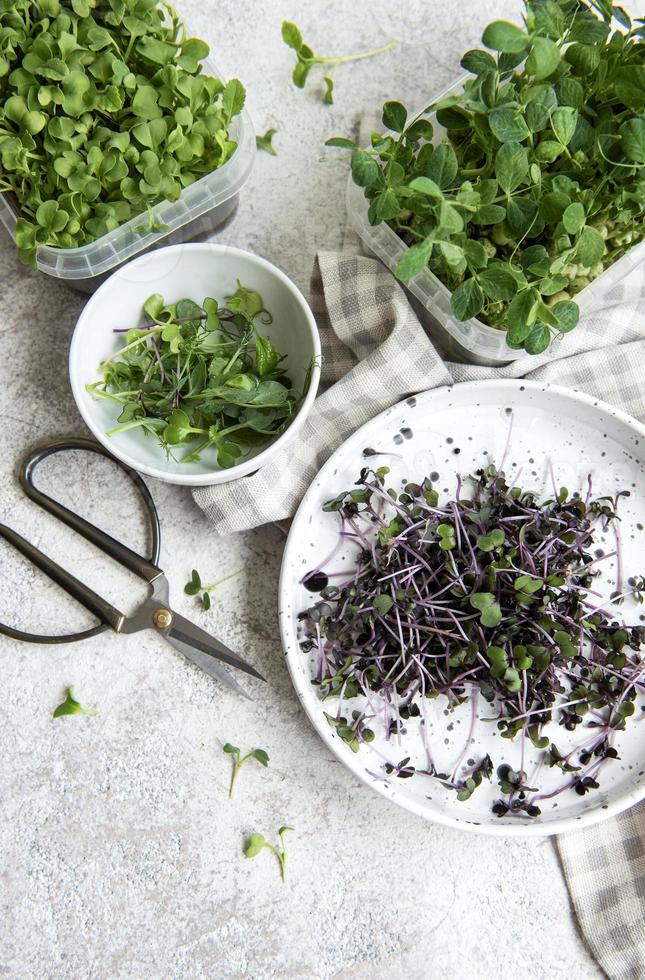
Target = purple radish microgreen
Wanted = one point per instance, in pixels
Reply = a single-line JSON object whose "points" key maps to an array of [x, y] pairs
{"points": [[490, 595]]}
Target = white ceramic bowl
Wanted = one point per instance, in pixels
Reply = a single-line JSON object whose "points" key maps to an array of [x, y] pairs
{"points": [[191, 271]]}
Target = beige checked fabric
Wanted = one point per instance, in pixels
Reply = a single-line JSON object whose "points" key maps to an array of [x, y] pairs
{"points": [[605, 871]]}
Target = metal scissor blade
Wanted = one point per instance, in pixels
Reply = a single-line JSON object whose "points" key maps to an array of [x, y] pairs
{"points": [[209, 665], [185, 632]]}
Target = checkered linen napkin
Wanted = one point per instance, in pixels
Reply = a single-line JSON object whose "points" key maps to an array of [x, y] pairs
{"points": [[375, 352]]}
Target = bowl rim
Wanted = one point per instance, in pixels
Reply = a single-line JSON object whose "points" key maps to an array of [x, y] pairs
{"points": [[212, 477]]}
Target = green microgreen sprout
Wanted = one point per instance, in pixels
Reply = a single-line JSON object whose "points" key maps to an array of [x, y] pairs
{"points": [[105, 111], [194, 586], [306, 59], [257, 843], [202, 377], [70, 706], [265, 142], [258, 754], [490, 595], [519, 191]]}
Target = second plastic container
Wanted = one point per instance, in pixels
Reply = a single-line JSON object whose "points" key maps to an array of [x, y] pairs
{"points": [[470, 340]]}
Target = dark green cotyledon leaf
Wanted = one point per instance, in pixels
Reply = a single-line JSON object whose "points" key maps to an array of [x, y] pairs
{"points": [[443, 166], [543, 59], [467, 300], [504, 36], [414, 260], [563, 123], [590, 246], [632, 137], [497, 281], [511, 166], [365, 169], [394, 116], [573, 218], [508, 124]]}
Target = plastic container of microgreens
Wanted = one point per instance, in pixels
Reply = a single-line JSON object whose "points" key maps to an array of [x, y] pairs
{"points": [[471, 340], [200, 208]]}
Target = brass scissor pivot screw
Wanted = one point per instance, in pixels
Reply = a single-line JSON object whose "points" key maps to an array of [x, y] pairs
{"points": [[162, 619]]}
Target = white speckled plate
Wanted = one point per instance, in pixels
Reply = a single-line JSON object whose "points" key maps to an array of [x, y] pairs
{"points": [[442, 433]]}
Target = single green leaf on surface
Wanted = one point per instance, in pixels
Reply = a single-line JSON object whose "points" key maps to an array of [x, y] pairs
{"points": [[194, 585], [257, 842], [260, 755], [70, 706], [265, 142], [328, 97]]}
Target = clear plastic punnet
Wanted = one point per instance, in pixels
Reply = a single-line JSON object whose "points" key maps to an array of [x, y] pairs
{"points": [[470, 340], [200, 208]]}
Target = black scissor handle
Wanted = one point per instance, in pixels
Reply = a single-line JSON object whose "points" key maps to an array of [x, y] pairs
{"points": [[145, 568], [94, 603]]}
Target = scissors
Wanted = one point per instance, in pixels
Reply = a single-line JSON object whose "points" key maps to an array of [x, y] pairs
{"points": [[195, 644]]}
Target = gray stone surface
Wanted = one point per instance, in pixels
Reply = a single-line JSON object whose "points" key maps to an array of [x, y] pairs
{"points": [[120, 854]]}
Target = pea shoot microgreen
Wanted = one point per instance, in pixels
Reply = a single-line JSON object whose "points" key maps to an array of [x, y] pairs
{"points": [[238, 761], [194, 586], [70, 706], [306, 59], [537, 185], [488, 596], [265, 142], [104, 112], [203, 377], [257, 843]]}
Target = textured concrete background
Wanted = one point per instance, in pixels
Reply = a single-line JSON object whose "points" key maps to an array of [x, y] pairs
{"points": [[120, 856]]}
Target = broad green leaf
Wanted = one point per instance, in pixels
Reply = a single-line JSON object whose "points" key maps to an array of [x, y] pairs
{"points": [[424, 185], [590, 246], [443, 166], [501, 35], [573, 218], [508, 124], [291, 35], [538, 340], [394, 116], [365, 169], [511, 166], [567, 314], [563, 123], [497, 281], [414, 260], [467, 300], [543, 59], [632, 137]]}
